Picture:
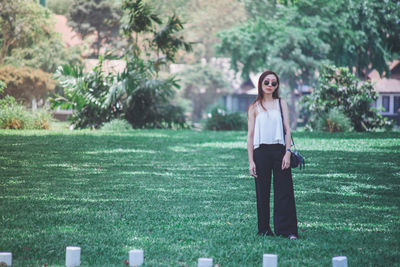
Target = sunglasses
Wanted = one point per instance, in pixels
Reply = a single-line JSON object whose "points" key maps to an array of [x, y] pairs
{"points": [[273, 83]]}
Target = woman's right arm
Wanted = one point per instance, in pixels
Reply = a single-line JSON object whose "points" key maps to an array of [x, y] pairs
{"points": [[250, 137]]}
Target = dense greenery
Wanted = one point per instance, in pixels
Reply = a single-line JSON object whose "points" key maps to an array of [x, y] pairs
{"points": [[14, 115], [219, 119], [294, 38], [332, 121], [138, 94], [181, 195], [27, 37], [60, 7], [25, 83], [203, 20], [202, 84], [300, 34], [99, 19], [339, 88], [85, 93], [47, 55]]}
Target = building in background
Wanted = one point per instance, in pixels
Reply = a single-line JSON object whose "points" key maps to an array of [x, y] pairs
{"points": [[388, 90]]}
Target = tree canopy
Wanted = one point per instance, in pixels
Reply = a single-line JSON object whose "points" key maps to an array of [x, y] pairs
{"points": [[23, 23], [97, 18], [294, 37]]}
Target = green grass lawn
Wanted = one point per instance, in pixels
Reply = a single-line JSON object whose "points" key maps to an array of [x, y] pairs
{"points": [[181, 195]]}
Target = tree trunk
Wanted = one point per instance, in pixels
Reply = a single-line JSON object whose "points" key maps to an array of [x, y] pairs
{"points": [[292, 108], [98, 44]]}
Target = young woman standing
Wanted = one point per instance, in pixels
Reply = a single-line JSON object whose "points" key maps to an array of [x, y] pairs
{"points": [[269, 152]]}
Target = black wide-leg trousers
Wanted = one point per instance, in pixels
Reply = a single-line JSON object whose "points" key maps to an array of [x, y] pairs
{"points": [[268, 159]]}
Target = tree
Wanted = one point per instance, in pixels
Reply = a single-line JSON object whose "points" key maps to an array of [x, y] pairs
{"points": [[302, 35], [99, 18], [206, 18], [364, 35], [25, 83], [56, 54], [340, 89], [287, 42], [22, 23], [137, 94], [202, 84], [163, 42]]}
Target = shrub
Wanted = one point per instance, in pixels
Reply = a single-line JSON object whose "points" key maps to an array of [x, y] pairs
{"points": [[25, 83], [137, 94], [338, 87], [16, 116], [116, 125], [333, 121], [59, 7], [41, 119], [219, 120]]}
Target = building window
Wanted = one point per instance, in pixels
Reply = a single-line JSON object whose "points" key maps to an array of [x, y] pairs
{"points": [[396, 104], [386, 103]]}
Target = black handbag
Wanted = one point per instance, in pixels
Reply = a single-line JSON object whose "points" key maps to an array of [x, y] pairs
{"points": [[295, 158]]}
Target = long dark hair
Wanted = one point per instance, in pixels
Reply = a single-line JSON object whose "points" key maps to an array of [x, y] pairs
{"points": [[260, 95]]}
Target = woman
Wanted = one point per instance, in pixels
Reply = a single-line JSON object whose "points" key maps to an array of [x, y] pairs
{"points": [[269, 151]]}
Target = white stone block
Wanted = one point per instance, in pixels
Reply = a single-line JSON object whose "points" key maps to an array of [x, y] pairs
{"points": [[339, 261], [136, 257], [205, 262], [73, 256], [6, 257], [270, 260]]}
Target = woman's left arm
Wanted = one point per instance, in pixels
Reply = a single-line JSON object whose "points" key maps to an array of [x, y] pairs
{"points": [[288, 136]]}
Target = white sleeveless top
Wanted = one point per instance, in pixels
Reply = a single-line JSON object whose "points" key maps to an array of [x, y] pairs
{"points": [[268, 128]]}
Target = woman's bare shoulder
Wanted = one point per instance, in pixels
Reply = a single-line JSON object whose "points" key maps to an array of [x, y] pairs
{"points": [[283, 101], [252, 108]]}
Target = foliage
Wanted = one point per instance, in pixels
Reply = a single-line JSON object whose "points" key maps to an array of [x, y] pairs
{"points": [[136, 94], [202, 85], [60, 7], [354, 33], [333, 121], [207, 18], [364, 34], [23, 23], [143, 98], [219, 120], [85, 93], [42, 118], [46, 55], [340, 88], [116, 125], [15, 116], [25, 83], [100, 18], [283, 42], [6, 101], [203, 20], [140, 18]]}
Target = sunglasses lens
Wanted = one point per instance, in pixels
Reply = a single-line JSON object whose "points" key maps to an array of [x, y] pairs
{"points": [[273, 83]]}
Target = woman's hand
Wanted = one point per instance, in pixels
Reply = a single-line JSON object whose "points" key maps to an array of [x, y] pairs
{"points": [[286, 161], [252, 169]]}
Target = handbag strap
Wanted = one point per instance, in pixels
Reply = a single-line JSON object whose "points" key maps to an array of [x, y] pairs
{"points": [[283, 125]]}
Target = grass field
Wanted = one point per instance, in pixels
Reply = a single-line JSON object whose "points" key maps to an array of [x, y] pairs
{"points": [[181, 195]]}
